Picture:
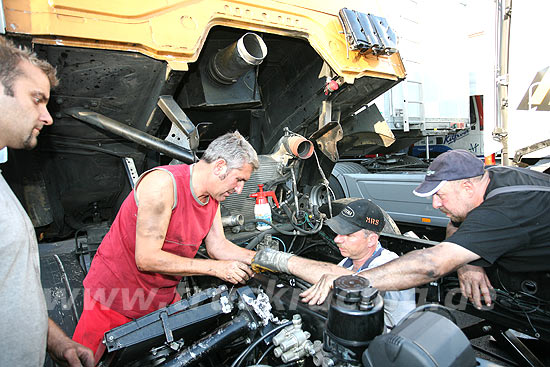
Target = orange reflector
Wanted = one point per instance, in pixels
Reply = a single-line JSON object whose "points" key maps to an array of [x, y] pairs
{"points": [[490, 160], [426, 220]]}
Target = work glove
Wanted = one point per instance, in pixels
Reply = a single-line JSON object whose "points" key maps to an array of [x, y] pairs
{"points": [[271, 260]]}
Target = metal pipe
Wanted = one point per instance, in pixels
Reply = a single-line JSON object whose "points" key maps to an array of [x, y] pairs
{"points": [[213, 341], [233, 220], [299, 146], [130, 133], [236, 59], [502, 38]]}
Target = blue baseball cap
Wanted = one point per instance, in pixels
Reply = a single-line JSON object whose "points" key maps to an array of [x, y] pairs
{"points": [[452, 165]]}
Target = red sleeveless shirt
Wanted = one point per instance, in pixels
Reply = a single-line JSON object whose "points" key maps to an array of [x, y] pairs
{"points": [[114, 279]]}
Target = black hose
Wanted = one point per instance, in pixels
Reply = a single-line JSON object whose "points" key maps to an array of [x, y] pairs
{"points": [[242, 356], [277, 228], [259, 238], [315, 229]]}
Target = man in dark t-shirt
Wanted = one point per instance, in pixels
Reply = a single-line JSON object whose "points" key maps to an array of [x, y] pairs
{"points": [[511, 228], [503, 214]]}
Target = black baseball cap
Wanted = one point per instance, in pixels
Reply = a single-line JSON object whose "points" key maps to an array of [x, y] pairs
{"points": [[452, 165], [358, 215]]}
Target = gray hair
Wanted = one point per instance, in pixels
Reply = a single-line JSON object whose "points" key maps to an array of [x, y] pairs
{"points": [[10, 58], [367, 232], [234, 149]]}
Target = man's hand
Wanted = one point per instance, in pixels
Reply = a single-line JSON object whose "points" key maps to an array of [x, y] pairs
{"points": [[271, 260], [65, 351], [232, 271], [474, 283], [317, 294]]}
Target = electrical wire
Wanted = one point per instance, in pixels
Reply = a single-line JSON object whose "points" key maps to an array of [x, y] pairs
{"points": [[237, 362], [277, 228], [281, 241], [325, 183], [292, 243], [314, 230], [330, 244], [271, 347], [520, 303]]}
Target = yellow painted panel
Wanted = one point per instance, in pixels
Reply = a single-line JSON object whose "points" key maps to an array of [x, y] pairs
{"points": [[175, 30]]}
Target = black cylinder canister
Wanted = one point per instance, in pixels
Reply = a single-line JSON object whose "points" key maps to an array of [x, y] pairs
{"points": [[355, 317]]}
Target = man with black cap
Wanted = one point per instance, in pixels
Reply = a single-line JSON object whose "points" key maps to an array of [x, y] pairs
{"points": [[357, 227], [502, 214]]}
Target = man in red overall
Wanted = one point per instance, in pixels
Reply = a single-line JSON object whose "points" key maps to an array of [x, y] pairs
{"points": [[153, 240]]}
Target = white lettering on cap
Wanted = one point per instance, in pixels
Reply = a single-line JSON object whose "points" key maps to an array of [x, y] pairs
{"points": [[430, 172], [348, 212]]}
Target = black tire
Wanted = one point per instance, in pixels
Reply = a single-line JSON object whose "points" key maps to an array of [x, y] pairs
{"points": [[336, 187]]}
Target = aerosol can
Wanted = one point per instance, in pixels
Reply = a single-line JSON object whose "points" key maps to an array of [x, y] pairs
{"points": [[262, 209]]}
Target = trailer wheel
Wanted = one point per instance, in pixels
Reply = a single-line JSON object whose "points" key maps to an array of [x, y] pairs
{"points": [[336, 187]]}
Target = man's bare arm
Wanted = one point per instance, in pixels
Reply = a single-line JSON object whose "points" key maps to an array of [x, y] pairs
{"points": [[155, 195], [410, 270], [221, 248], [311, 270], [65, 351], [419, 267]]}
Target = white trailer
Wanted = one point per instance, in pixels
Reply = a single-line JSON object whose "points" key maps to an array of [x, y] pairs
{"points": [[431, 40]]}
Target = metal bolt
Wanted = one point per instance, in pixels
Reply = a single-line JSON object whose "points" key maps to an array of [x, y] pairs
{"points": [[486, 328], [252, 326], [111, 338]]}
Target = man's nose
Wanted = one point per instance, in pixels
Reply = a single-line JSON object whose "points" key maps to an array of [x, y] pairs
{"points": [[239, 187], [436, 202], [339, 238], [45, 116]]}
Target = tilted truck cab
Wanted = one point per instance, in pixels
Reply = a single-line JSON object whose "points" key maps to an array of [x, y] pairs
{"points": [[176, 71]]}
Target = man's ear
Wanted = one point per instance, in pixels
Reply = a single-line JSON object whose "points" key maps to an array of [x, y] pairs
{"points": [[373, 237], [220, 166], [469, 186]]}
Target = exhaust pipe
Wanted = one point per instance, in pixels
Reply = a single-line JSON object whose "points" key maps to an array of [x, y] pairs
{"points": [[298, 146], [131, 133], [293, 146], [236, 59]]}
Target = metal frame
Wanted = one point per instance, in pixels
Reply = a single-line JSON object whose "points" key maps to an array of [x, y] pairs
{"points": [[2, 18]]}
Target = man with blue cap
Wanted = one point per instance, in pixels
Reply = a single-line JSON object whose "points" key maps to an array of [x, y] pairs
{"points": [[499, 217]]}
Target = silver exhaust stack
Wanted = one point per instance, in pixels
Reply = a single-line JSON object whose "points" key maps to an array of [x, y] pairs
{"points": [[236, 59]]}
